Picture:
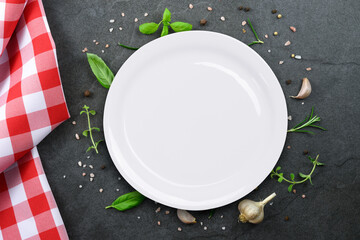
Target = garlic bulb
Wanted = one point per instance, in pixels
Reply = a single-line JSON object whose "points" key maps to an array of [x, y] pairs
{"points": [[305, 89], [185, 217], [251, 211]]}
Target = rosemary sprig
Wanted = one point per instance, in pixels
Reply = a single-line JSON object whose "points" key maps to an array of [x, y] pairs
{"points": [[258, 41], [292, 181], [89, 131], [131, 48], [211, 214], [308, 122]]}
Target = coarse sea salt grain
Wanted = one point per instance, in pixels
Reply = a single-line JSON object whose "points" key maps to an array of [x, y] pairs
{"points": [[79, 163], [191, 6], [101, 190], [298, 57], [64, 176], [146, 14], [289, 117], [73, 123], [269, 51], [77, 136], [287, 43], [136, 20], [266, 36], [120, 28], [80, 186], [223, 228], [209, 9], [112, 20], [123, 14], [243, 23], [281, 62], [205, 228], [92, 175], [111, 29], [91, 166], [222, 18]]}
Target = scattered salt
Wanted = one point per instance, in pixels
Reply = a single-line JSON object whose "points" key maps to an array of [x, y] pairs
{"points": [[222, 18], [77, 136], [112, 20], [111, 29], [79, 163]]}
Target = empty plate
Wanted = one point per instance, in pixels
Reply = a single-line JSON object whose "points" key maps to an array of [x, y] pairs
{"points": [[195, 120]]}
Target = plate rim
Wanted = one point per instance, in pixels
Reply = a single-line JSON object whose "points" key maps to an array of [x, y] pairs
{"points": [[153, 196]]}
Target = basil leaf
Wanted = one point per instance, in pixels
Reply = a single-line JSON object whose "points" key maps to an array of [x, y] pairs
{"points": [[148, 28], [290, 187], [127, 201], [292, 176], [92, 112], [181, 26], [302, 175], [165, 31], [101, 71], [166, 15], [85, 133], [95, 128]]}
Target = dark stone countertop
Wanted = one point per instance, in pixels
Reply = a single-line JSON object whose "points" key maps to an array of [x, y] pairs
{"points": [[327, 38]]}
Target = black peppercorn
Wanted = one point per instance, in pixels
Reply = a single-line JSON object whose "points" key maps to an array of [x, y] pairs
{"points": [[274, 11], [102, 166], [203, 22], [286, 218], [87, 93], [305, 152], [241, 8], [288, 82], [247, 9]]}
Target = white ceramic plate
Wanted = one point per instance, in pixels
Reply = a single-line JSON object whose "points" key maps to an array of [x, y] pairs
{"points": [[195, 120]]}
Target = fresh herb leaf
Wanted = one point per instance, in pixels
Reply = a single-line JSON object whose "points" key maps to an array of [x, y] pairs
{"points": [[131, 48], [181, 26], [212, 211], [127, 201], [308, 122], [258, 41], [148, 28], [166, 16], [292, 182], [89, 130], [164, 31], [101, 71]]}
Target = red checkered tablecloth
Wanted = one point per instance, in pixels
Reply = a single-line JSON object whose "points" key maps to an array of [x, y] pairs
{"points": [[32, 104]]}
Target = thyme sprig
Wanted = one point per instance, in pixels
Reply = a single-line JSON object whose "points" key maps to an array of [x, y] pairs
{"points": [[88, 132], [305, 177], [308, 122]]}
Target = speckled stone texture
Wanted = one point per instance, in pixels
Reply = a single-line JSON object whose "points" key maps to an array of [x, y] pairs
{"points": [[327, 38]]}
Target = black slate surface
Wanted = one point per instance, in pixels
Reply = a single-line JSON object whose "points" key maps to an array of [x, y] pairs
{"points": [[327, 38]]}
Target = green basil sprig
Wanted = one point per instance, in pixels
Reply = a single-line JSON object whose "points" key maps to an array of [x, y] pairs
{"points": [[150, 28], [127, 201], [101, 71]]}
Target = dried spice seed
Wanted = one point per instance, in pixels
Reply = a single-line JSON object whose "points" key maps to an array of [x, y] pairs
{"points": [[87, 93], [293, 29], [288, 82], [289, 147], [203, 22], [279, 16], [286, 218], [292, 55], [158, 209], [77, 136], [294, 191], [83, 174], [73, 123], [287, 43], [123, 14], [167, 212], [179, 229], [308, 69], [209, 9], [102, 167], [97, 43], [305, 152], [243, 23], [107, 45], [243, 30], [84, 50], [191, 6], [266, 36], [241, 8], [274, 11], [247, 9], [158, 223], [276, 33], [303, 196]]}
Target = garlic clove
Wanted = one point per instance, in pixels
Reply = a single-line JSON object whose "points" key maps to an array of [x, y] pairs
{"points": [[251, 211], [185, 217], [305, 89]]}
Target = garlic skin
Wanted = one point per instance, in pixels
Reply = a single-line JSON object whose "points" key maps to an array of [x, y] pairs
{"points": [[185, 217], [305, 89], [251, 211]]}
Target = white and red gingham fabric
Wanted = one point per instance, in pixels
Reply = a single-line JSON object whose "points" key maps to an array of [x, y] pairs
{"points": [[32, 104]]}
